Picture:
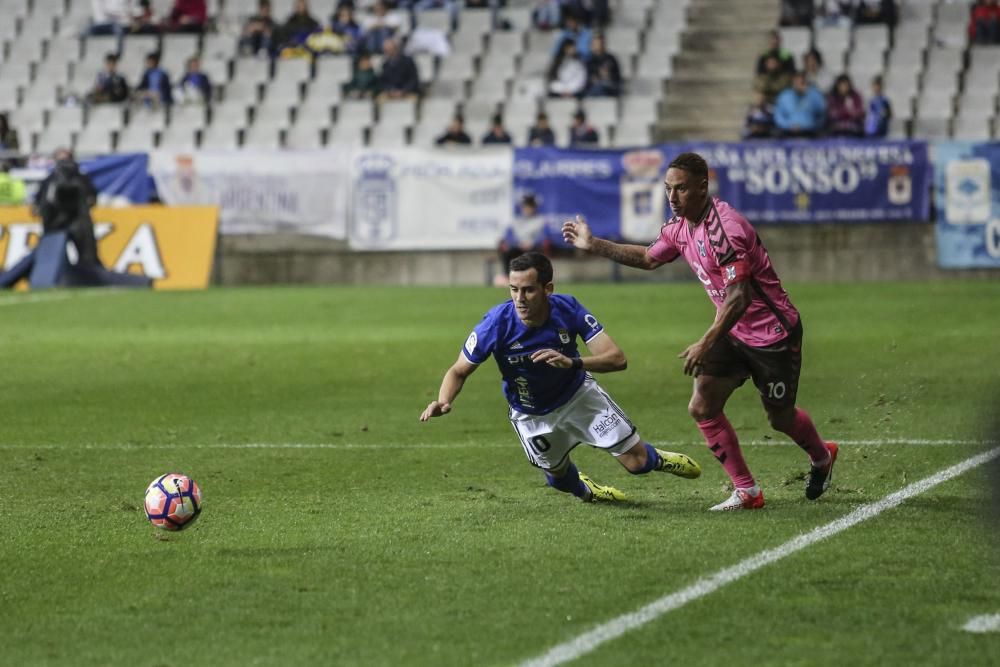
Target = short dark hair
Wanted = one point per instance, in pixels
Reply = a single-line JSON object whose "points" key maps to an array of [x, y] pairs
{"points": [[534, 260], [692, 163]]}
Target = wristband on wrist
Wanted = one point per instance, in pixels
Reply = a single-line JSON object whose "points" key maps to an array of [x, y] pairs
{"points": [[577, 363]]}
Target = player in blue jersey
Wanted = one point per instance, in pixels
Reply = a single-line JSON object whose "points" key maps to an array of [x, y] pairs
{"points": [[555, 403]]}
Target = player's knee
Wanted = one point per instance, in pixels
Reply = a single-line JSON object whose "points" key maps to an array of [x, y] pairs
{"points": [[700, 410], [781, 420]]}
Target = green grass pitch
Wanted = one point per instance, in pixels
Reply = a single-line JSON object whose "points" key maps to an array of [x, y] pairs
{"points": [[338, 530]]}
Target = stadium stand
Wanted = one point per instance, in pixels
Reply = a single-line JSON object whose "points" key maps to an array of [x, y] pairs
{"points": [[681, 79]]}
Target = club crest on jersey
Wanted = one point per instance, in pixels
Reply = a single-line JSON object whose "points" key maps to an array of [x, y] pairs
{"points": [[730, 272], [564, 336], [701, 247]]}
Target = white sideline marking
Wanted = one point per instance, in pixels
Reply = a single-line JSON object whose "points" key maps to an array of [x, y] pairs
{"points": [[33, 298], [984, 623], [438, 445], [616, 627], [45, 297]]}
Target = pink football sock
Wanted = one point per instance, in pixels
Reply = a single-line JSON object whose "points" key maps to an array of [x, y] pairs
{"points": [[805, 436], [721, 439]]}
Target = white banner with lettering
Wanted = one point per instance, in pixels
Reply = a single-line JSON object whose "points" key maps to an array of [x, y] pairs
{"points": [[417, 199], [260, 192]]}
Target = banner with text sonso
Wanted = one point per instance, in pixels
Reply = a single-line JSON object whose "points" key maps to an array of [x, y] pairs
{"points": [[415, 199], [967, 187], [820, 181], [260, 192], [172, 245]]}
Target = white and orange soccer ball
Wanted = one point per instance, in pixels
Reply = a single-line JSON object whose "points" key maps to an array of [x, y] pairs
{"points": [[173, 501]]}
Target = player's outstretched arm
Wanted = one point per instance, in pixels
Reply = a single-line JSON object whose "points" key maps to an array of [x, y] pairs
{"points": [[451, 386], [577, 233]]}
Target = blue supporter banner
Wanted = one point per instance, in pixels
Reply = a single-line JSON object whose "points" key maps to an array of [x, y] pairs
{"points": [[122, 178], [967, 188], [567, 182], [621, 194], [822, 181]]}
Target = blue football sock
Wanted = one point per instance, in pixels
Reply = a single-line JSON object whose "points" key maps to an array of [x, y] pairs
{"points": [[569, 482], [653, 460]]}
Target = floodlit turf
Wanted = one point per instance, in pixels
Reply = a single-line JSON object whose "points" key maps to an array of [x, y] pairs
{"points": [[400, 543]]}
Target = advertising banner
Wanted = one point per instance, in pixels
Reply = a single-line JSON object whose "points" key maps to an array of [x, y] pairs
{"points": [[415, 199], [173, 246], [967, 187], [260, 192], [621, 192], [820, 181]]}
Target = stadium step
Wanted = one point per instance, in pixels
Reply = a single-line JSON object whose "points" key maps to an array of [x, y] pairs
{"points": [[713, 74]]}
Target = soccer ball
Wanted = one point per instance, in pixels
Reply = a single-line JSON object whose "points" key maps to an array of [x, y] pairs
{"points": [[173, 501]]}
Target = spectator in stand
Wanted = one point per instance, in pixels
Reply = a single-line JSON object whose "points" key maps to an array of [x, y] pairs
{"points": [[12, 190], [845, 110], [455, 135], [343, 24], [547, 14], [879, 112], [187, 16], [144, 23], [111, 17], [573, 31], [816, 72], [567, 75], [399, 78], [759, 123], [8, 136], [258, 31], [294, 32], [378, 26], [109, 86], [154, 88], [984, 22], [541, 134], [875, 11], [773, 80], [582, 133], [364, 80], [526, 232], [496, 134], [833, 12], [800, 110], [786, 61], [604, 77], [594, 13], [195, 86], [797, 12]]}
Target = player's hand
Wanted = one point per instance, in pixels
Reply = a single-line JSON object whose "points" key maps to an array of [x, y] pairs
{"points": [[552, 358], [435, 409], [694, 357], [577, 233]]}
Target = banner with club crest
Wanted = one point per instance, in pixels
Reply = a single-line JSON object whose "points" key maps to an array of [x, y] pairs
{"points": [[967, 190]]}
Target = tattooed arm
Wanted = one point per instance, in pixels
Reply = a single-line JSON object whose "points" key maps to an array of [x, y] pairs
{"points": [[577, 233]]}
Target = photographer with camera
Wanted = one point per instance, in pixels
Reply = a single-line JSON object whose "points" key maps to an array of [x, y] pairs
{"points": [[63, 203]]}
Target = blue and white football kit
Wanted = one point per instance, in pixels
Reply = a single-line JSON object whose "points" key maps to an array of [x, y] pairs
{"points": [[552, 409]]}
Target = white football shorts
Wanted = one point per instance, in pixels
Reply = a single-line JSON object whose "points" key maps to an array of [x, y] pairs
{"points": [[590, 416]]}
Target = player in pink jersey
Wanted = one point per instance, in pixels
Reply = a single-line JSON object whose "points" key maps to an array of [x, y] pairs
{"points": [[757, 332]]}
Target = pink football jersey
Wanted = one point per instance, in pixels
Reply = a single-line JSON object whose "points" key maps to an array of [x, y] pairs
{"points": [[725, 249]]}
